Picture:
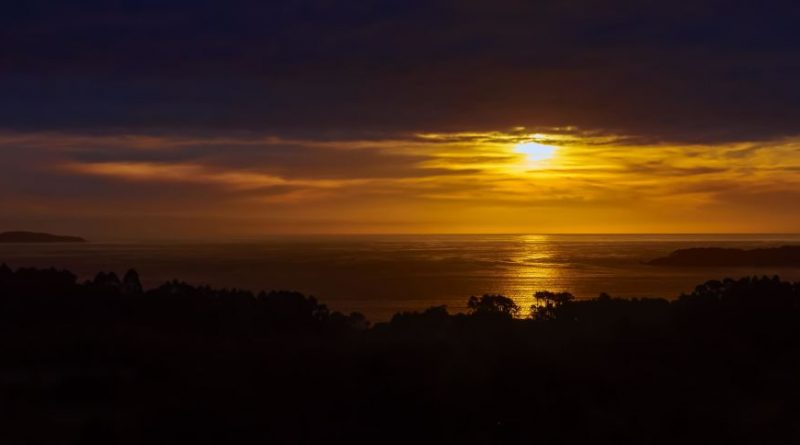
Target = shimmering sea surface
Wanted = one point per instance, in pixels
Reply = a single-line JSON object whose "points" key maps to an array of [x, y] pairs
{"points": [[381, 275]]}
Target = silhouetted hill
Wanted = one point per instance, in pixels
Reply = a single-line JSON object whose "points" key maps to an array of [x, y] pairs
{"points": [[725, 257], [34, 237], [107, 362]]}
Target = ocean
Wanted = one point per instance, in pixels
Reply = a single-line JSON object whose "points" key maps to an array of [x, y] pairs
{"points": [[382, 275]]}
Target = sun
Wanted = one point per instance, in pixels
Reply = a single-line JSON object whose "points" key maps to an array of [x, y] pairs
{"points": [[535, 151]]}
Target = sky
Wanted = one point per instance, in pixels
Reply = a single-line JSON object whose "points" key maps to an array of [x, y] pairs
{"points": [[165, 119]]}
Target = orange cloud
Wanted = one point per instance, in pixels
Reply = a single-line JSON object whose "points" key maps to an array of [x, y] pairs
{"points": [[449, 182]]}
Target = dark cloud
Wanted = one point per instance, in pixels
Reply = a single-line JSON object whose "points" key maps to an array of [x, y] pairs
{"points": [[703, 70], [297, 160], [660, 169]]}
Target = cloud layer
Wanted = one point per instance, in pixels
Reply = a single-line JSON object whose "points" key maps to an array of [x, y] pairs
{"points": [[670, 71], [251, 117], [442, 182]]}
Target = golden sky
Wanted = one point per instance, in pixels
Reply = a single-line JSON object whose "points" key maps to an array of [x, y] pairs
{"points": [[547, 180], [233, 118]]}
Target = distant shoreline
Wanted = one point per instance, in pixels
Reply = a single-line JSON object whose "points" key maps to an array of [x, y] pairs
{"points": [[784, 256], [36, 237]]}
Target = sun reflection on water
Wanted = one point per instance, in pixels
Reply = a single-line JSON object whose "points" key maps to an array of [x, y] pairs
{"points": [[532, 267]]}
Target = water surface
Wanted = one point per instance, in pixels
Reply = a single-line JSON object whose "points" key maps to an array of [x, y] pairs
{"points": [[381, 275]]}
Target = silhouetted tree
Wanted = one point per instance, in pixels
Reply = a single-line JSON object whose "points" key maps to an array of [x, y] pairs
{"points": [[546, 304], [131, 283], [107, 281], [493, 305]]}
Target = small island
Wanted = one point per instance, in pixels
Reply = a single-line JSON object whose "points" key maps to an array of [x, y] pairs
{"points": [[785, 256], [35, 237]]}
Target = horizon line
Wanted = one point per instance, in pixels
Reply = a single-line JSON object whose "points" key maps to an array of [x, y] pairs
{"points": [[90, 239]]}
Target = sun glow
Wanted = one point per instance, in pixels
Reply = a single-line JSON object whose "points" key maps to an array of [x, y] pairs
{"points": [[535, 151]]}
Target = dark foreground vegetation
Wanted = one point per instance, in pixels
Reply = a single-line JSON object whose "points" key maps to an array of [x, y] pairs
{"points": [[105, 362]]}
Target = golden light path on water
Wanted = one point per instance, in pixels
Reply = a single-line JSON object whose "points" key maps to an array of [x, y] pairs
{"points": [[533, 261]]}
